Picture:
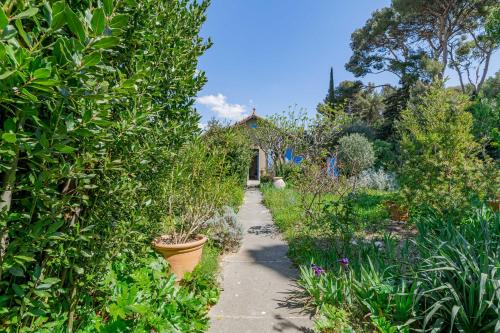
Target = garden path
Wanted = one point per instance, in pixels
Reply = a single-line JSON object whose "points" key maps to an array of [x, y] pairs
{"points": [[258, 279]]}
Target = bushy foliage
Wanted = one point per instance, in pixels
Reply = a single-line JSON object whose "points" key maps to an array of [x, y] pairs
{"points": [[355, 154], [192, 190], [97, 99], [360, 128], [225, 231], [142, 297], [440, 164], [236, 144], [266, 179], [386, 155], [377, 179], [486, 125], [291, 172]]}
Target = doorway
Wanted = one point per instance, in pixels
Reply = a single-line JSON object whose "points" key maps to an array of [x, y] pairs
{"points": [[253, 173]]}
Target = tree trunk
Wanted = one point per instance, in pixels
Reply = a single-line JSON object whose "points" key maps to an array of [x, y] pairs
{"points": [[485, 71]]}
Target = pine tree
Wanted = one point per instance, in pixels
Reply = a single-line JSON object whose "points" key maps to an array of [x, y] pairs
{"points": [[330, 97]]}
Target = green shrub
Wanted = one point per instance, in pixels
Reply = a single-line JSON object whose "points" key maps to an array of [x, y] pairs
{"points": [[234, 141], [96, 99], [440, 169], [486, 124], [266, 179], [291, 172], [355, 154], [142, 297], [358, 127], [192, 190], [386, 155]]}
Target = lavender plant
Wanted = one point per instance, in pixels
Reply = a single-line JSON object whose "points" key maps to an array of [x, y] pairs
{"points": [[225, 230], [377, 180]]}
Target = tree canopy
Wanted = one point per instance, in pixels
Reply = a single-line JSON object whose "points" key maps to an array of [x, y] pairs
{"points": [[422, 38]]}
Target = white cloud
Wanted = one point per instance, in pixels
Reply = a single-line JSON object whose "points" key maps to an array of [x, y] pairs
{"points": [[202, 126], [218, 105]]}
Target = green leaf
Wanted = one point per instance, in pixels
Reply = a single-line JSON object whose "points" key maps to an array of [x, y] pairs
{"points": [[47, 89], [27, 13], [16, 271], [46, 82], [6, 74], [87, 115], [28, 95], [58, 21], [58, 17], [55, 226], [43, 286], [98, 21], [9, 125], [44, 141], [92, 59], [41, 293], [36, 312], [51, 280], [9, 137], [23, 34], [42, 73], [64, 149], [119, 21], [18, 290], [74, 23], [108, 6], [60, 52], [24, 258], [106, 42], [4, 20]]}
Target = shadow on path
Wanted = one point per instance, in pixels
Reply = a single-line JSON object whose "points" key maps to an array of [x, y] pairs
{"points": [[284, 324], [264, 230]]}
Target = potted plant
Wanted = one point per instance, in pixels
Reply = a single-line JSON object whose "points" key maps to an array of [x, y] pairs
{"points": [[192, 192], [278, 182]]}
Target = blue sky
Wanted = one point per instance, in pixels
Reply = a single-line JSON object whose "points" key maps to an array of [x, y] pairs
{"points": [[272, 54]]}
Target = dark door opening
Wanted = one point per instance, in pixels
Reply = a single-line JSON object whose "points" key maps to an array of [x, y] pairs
{"points": [[253, 173]]}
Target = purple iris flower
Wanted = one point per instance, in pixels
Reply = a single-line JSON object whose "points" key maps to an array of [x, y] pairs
{"points": [[344, 262], [317, 270]]}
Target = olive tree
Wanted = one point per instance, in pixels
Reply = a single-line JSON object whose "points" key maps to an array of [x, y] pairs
{"points": [[277, 133], [355, 153]]}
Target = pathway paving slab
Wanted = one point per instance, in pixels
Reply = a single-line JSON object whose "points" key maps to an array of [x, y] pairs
{"points": [[258, 279]]}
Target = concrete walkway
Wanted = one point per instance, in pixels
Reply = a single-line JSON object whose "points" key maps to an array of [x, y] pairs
{"points": [[258, 279]]}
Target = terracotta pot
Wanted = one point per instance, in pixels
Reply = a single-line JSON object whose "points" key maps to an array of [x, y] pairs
{"points": [[278, 182], [396, 212], [182, 258]]}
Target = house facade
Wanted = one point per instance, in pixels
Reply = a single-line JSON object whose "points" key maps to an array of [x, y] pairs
{"points": [[260, 162]]}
